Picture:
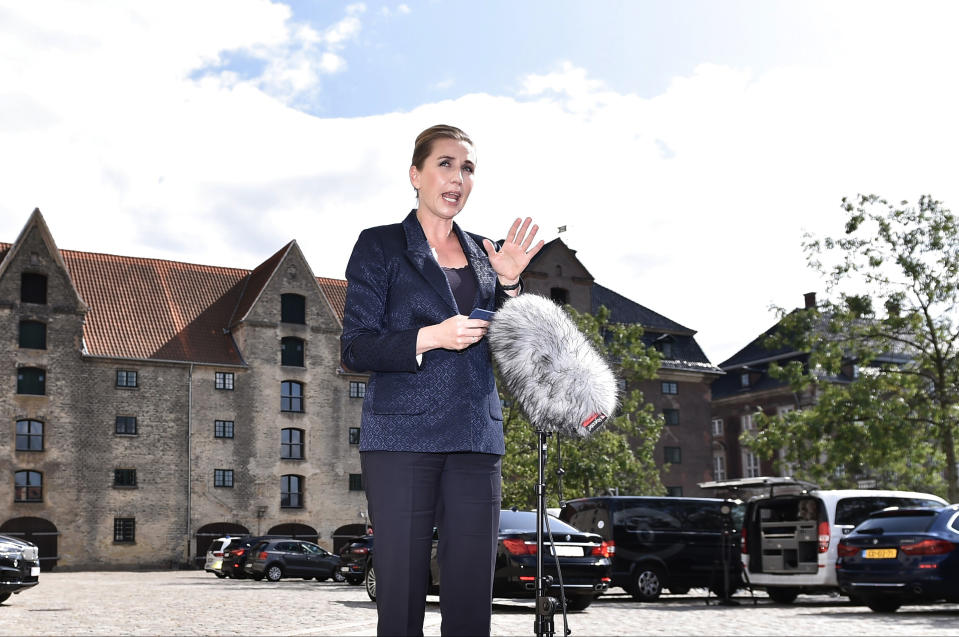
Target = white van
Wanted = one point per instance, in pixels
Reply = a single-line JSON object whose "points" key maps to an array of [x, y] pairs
{"points": [[790, 535]]}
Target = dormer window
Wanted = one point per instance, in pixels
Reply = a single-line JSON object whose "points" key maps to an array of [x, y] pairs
{"points": [[744, 379], [33, 288]]}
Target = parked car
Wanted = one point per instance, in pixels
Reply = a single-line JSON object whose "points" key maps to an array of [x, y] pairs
{"points": [[353, 558], [662, 543], [19, 566], [275, 559], [583, 560], [902, 556], [218, 549], [236, 554], [790, 539]]}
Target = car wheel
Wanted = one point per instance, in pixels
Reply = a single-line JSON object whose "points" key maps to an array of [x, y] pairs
{"points": [[371, 581], [257, 578], [883, 604], [647, 583], [274, 572], [4, 597], [579, 602], [338, 577], [782, 595]]}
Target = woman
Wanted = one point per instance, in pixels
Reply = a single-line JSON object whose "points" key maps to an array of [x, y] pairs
{"points": [[432, 430]]}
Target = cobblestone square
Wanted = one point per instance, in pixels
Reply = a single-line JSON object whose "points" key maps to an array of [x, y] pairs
{"points": [[197, 603]]}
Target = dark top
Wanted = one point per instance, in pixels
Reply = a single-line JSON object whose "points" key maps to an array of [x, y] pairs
{"points": [[463, 285]]}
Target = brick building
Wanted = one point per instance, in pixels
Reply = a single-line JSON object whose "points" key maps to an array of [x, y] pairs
{"points": [[153, 405], [681, 389]]}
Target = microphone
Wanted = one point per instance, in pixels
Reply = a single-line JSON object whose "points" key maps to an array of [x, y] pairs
{"points": [[556, 375]]}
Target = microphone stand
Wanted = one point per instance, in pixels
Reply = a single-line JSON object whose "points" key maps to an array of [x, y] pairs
{"points": [[545, 605]]}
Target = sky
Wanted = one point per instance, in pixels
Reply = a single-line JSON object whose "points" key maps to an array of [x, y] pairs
{"points": [[687, 146]]}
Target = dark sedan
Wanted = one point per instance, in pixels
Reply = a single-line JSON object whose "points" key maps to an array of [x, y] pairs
{"points": [[583, 559], [276, 559], [902, 556], [19, 566]]}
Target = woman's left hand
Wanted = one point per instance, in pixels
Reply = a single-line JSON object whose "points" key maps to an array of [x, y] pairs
{"points": [[515, 254]]}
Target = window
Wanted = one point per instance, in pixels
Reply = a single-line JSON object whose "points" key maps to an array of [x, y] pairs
{"points": [[674, 492], [126, 425], [747, 422], [559, 296], [357, 389], [33, 335], [124, 477], [293, 308], [28, 486], [670, 388], [31, 380], [719, 465], [222, 428], [33, 288], [124, 529], [666, 349], [126, 378], [673, 455], [29, 435], [291, 396], [291, 351], [223, 478], [356, 482], [223, 380], [750, 464], [291, 444], [354, 435], [291, 492], [744, 379], [671, 416], [717, 425]]}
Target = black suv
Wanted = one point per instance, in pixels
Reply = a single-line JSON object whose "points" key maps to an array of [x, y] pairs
{"points": [[19, 566], [354, 557], [665, 542]]}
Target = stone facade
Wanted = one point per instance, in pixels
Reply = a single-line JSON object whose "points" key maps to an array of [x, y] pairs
{"points": [[86, 457]]}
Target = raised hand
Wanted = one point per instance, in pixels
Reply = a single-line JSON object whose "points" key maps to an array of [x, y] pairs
{"points": [[515, 254]]}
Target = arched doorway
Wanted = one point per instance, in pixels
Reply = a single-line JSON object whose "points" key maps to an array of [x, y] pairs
{"points": [[346, 533], [41, 532], [209, 532], [296, 531]]}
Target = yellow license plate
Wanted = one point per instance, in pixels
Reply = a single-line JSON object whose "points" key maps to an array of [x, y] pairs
{"points": [[879, 554]]}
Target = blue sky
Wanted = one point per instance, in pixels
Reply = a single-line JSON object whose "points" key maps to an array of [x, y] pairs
{"points": [[686, 145]]}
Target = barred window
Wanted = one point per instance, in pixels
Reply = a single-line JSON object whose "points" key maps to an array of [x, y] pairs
{"points": [[124, 477], [124, 529]]}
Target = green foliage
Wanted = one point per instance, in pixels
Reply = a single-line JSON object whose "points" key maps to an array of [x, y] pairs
{"points": [[890, 325], [619, 455]]}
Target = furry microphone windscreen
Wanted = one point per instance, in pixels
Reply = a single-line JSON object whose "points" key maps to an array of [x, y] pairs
{"points": [[549, 367]]}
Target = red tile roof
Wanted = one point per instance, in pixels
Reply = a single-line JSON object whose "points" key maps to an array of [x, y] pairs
{"points": [[167, 310]]}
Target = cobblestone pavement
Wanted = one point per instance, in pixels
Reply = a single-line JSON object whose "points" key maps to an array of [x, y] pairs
{"points": [[197, 603]]}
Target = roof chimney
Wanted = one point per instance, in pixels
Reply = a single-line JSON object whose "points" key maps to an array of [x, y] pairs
{"points": [[810, 298]]}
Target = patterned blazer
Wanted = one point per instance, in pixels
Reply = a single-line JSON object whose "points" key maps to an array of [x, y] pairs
{"points": [[449, 401]]}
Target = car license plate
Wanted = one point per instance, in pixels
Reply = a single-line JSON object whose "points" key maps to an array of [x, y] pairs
{"points": [[34, 571], [569, 551], [879, 554]]}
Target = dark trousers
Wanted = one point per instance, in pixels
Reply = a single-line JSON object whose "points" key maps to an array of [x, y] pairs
{"points": [[408, 493]]}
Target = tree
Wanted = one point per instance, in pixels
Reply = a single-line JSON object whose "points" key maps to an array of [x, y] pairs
{"points": [[619, 455], [882, 371]]}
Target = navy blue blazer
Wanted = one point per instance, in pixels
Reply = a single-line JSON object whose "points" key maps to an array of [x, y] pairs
{"points": [[448, 402]]}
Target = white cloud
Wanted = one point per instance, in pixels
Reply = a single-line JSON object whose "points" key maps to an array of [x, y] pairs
{"points": [[691, 202]]}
